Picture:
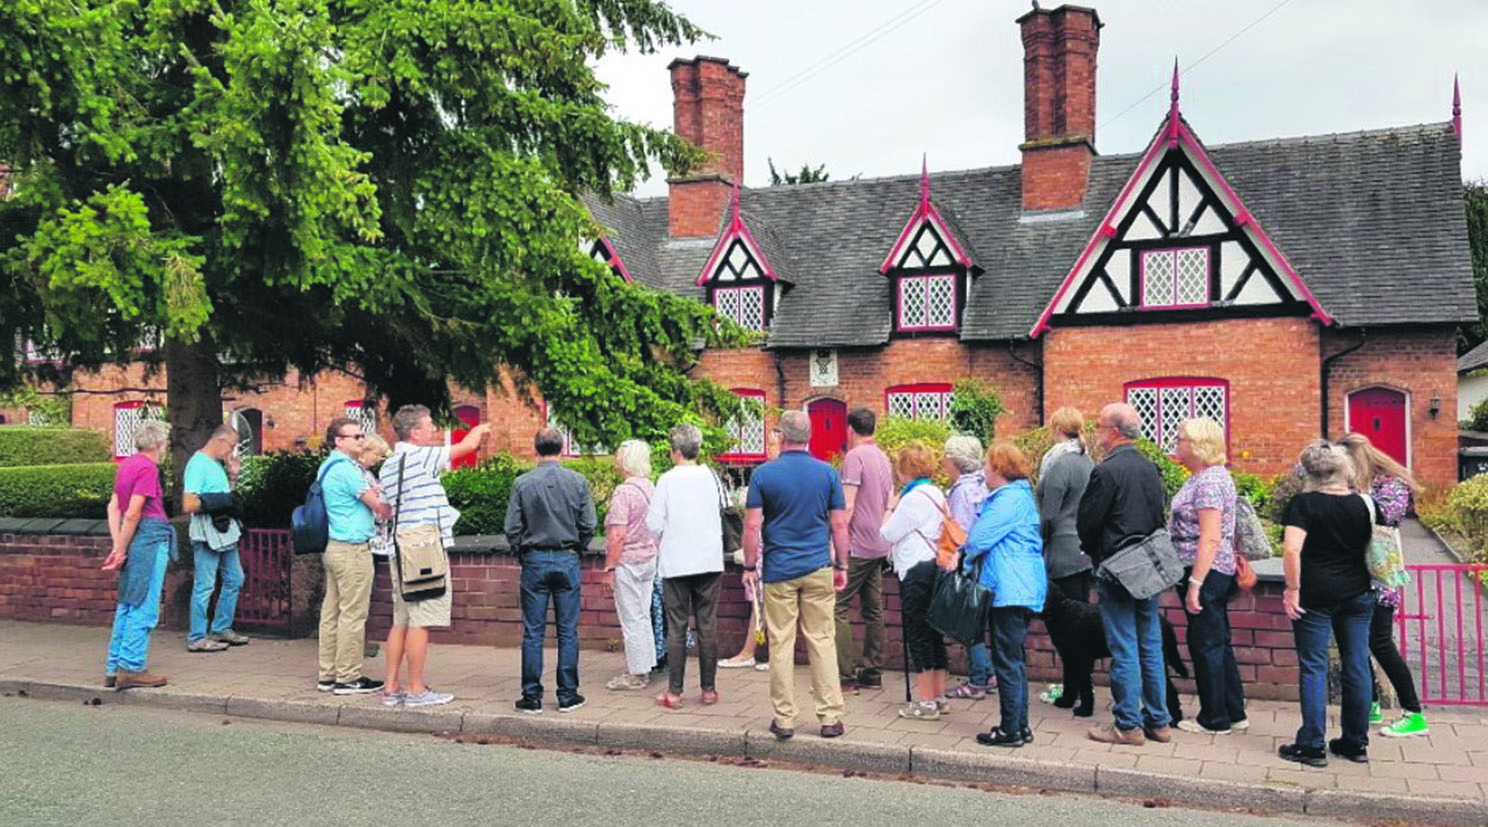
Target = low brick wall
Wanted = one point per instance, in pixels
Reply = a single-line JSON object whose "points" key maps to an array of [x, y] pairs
{"points": [[55, 577]]}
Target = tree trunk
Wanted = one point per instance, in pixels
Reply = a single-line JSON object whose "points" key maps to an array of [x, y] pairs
{"points": [[193, 384]]}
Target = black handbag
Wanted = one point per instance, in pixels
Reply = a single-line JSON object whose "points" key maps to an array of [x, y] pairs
{"points": [[959, 607], [732, 520]]}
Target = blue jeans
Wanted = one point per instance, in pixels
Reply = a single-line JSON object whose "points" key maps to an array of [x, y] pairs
{"points": [[550, 575], [208, 563], [1139, 677], [1009, 631], [979, 665], [1349, 623], [1221, 695], [129, 645]]}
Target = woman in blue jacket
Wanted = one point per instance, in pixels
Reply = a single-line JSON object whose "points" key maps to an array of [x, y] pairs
{"points": [[1005, 550]]}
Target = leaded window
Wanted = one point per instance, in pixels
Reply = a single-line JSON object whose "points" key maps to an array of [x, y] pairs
{"points": [[1175, 278], [1163, 404], [926, 401], [128, 417], [745, 306], [363, 414], [748, 429], [927, 302]]}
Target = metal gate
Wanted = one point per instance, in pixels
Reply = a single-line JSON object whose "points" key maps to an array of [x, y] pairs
{"points": [[1440, 623], [263, 603]]}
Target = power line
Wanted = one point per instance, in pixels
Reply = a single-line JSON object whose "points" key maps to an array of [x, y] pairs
{"points": [[843, 52], [1185, 70]]}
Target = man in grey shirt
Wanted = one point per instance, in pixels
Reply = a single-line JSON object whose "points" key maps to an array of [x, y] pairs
{"points": [[549, 523]]}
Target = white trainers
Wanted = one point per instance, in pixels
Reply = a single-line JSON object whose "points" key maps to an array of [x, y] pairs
{"points": [[1190, 725], [427, 698]]}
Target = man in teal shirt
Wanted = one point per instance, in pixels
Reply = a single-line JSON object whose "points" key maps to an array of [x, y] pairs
{"points": [[352, 504], [214, 531]]}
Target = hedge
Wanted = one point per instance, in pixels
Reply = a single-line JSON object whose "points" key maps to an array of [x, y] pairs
{"points": [[73, 491], [272, 485], [24, 447]]}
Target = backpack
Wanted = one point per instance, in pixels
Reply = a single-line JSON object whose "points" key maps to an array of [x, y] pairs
{"points": [[952, 537], [310, 526], [1251, 541]]}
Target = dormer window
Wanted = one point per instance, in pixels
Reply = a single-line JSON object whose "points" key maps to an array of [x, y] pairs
{"points": [[744, 306], [603, 252], [926, 302], [929, 269], [741, 285], [1175, 278]]}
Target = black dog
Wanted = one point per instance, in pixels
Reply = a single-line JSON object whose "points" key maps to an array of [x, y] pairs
{"points": [[1076, 630]]}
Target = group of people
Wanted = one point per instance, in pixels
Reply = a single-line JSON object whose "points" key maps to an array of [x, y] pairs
{"points": [[815, 540]]}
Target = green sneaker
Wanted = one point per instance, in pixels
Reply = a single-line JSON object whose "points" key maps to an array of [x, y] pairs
{"points": [[1375, 715], [1053, 693], [1411, 723]]}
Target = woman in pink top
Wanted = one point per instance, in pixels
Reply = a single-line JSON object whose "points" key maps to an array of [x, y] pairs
{"points": [[143, 543], [630, 563]]}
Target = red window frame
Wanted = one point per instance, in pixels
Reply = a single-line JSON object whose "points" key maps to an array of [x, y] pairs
{"points": [[128, 450], [1161, 424], [941, 388], [923, 282], [736, 454]]}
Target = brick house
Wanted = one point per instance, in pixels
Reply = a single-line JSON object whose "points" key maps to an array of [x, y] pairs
{"points": [[1287, 288]]}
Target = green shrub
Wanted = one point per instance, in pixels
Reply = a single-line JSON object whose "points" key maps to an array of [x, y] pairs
{"points": [[71, 491], [1173, 474], [1477, 417], [1283, 488], [1468, 508], [894, 432], [273, 485], [1254, 488], [974, 410], [481, 494], [22, 446]]}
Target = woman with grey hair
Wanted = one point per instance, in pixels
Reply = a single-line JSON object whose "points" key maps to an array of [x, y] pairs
{"points": [[630, 563], [1328, 529], [963, 463], [684, 516], [143, 543]]}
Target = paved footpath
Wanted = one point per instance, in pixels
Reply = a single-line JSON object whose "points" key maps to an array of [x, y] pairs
{"points": [[1437, 779]]}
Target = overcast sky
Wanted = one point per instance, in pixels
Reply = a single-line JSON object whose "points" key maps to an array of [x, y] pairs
{"points": [[945, 77]]}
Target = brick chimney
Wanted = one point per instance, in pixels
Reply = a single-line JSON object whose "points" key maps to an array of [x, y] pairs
{"points": [[1059, 47], [708, 110]]}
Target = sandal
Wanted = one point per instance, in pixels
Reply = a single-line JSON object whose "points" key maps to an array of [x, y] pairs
{"points": [[710, 697], [736, 663], [668, 700], [967, 691]]}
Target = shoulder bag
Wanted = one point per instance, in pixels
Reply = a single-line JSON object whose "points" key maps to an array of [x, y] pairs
{"points": [[1251, 541], [1144, 568], [422, 567], [731, 519], [1384, 556]]}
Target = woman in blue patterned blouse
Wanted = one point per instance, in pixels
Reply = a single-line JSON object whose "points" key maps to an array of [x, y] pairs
{"points": [[1390, 486]]}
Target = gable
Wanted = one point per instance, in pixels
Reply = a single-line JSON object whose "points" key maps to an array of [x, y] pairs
{"points": [[737, 257]]}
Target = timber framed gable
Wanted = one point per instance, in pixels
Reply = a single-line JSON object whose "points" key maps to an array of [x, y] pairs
{"points": [[929, 269], [740, 283]]}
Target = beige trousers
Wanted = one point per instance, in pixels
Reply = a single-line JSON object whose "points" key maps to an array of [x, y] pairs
{"points": [[343, 614], [811, 601]]}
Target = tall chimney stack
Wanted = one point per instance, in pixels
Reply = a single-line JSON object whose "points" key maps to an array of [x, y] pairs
{"points": [[708, 110], [1059, 47]]}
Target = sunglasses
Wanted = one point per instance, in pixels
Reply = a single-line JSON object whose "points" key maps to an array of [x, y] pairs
{"points": [[351, 436]]}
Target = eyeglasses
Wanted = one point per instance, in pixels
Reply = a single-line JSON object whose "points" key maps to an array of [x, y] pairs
{"points": [[351, 436]]}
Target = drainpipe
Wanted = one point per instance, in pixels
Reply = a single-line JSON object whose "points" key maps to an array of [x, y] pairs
{"points": [[1038, 386], [780, 378], [1327, 363]]}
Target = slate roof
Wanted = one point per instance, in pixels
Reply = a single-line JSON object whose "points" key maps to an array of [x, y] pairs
{"points": [[1372, 221], [1473, 359]]}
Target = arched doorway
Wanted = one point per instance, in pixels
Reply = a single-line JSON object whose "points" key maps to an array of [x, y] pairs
{"points": [[248, 422], [1382, 414], [469, 416], [828, 427]]}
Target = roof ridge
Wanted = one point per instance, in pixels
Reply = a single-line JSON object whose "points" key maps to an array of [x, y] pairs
{"points": [[1291, 140]]}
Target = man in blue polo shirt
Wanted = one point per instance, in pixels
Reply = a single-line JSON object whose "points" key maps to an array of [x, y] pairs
{"points": [[796, 511]]}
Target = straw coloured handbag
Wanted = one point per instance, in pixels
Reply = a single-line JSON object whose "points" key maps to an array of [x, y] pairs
{"points": [[1385, 556]]}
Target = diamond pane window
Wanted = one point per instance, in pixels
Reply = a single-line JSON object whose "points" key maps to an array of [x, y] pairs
{"points": [[927, 401], [748, 431], [128, 417], [745, 306], [364, 414], [1175, 278], [927, 302], [1163, 404]]}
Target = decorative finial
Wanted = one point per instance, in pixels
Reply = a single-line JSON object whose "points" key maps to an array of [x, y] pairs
{"points": [[924, 178], [1456, 109], [1174, 98]]}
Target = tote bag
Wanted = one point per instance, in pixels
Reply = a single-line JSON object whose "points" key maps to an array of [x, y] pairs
{"points": [[959, 607], [1384, 556]]}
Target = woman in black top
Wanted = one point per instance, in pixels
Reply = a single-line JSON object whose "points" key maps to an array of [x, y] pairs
{"points": [[1328, 529]]}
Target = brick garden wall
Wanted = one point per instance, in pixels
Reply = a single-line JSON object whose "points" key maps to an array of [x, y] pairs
{"points": [[56, 578]]}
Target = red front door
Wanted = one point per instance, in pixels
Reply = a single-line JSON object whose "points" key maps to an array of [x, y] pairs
{"points": [[828, 428], [469, 416], [1380, 414]]}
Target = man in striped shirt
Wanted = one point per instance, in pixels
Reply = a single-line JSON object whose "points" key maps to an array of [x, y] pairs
{"points": [[410, 483]]}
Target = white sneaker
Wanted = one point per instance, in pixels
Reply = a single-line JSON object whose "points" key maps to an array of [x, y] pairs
{"points": [[1190, 725], [427, 698]]}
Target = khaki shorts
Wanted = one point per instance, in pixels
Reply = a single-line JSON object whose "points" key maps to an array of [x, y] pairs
{"points": [[422, 613]]}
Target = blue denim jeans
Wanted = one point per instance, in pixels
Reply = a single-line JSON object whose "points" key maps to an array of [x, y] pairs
{"points": [[129, 645], [550, 576], [979, 665], [1221, 695], [208, 563], [1009, 631], [1138, 675], [1349, 623]]}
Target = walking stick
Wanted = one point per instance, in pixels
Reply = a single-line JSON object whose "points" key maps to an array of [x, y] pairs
{"points": [[904, 645]]}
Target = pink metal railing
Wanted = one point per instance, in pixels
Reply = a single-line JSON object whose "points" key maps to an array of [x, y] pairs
{"points": [[1446, 653], [264, 600]]}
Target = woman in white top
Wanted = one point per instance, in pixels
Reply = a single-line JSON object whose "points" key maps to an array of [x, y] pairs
{"points": [[913, 526], [684, 517]]}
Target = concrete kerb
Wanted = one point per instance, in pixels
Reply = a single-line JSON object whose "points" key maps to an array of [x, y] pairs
{"points": [[1002, 770], [531, 728], [673, 739], [401, 720], [844, 754], [1376, 808], [1225, 795], [299, 712], [167, 699]]}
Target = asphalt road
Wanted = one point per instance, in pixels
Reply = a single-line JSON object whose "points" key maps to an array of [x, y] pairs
{"points": [[62, 764]]}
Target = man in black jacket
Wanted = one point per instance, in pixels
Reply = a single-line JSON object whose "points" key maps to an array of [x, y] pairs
{"points": [[1124, 503]]}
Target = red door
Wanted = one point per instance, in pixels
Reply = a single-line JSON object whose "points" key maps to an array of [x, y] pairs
{"points": [[469, 416], [828, 428], [1379, 413]]}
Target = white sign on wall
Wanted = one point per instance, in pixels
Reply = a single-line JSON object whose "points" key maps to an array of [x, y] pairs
{"points": [[823, 368]]}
